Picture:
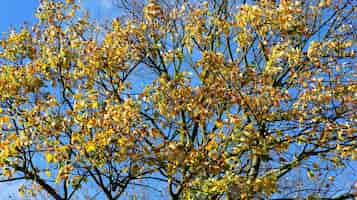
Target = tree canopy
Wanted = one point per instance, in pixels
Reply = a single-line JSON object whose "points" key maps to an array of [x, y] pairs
{"points": [[216, 99]]}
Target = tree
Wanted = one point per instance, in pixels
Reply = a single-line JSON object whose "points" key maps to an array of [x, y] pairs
{"points": [[205, 100]]}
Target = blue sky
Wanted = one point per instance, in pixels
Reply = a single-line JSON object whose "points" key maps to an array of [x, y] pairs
{"points": [[13, 13]]}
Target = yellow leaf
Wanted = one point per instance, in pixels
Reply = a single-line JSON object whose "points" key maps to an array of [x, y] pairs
{"points": [[48, 172], [7, 172], [12, 137], [354, 154], [331, 178], [211, 145], [315, 165], [69, 1], [4, 119], [90, 147], [21, 191], [49, 157], [95, 104], [250, 127], [310, 173], [219, 123]]}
